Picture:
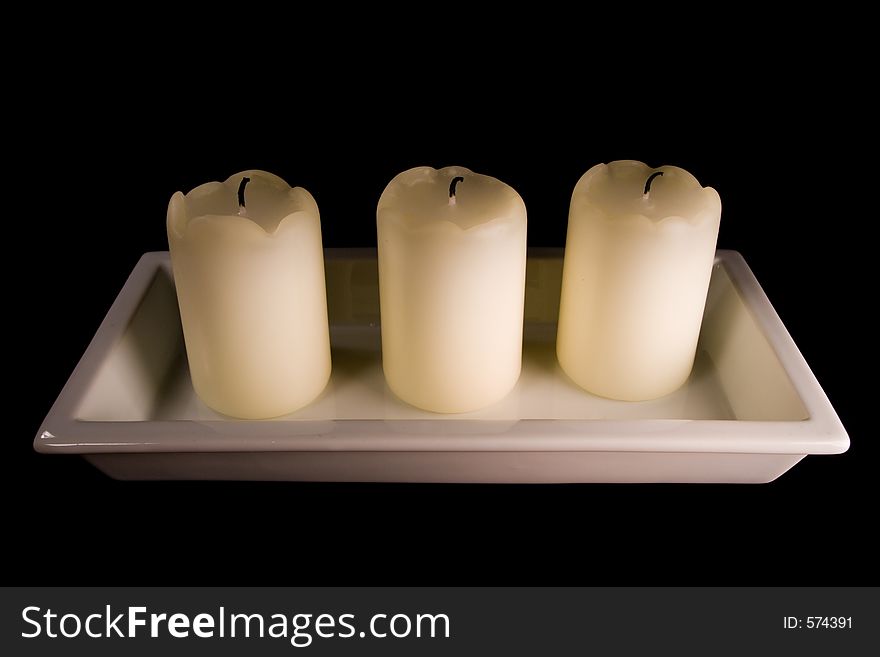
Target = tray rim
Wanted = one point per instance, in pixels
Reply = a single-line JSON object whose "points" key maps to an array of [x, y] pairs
{"points": [[820, 433]]}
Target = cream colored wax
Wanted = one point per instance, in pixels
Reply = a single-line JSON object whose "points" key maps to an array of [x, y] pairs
{"points": [[250, 284], [636, 273], [451, 283]]}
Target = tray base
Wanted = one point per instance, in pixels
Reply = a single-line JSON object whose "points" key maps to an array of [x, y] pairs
{"points": [[452, 467]]}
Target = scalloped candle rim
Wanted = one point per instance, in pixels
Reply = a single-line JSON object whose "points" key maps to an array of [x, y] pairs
{"points": [[422, 198], [616, 191], [270, 203]]}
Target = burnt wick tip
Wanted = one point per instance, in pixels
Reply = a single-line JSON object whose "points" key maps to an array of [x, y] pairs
{"points": [[244, 181], [651, 178], [453, 184]]}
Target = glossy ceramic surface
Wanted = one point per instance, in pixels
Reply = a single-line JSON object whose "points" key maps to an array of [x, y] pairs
{"points": [[751, 409]]}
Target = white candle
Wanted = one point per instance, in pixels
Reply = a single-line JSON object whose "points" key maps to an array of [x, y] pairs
{"points": [[638, 258], [249, 270], [452, 262]]}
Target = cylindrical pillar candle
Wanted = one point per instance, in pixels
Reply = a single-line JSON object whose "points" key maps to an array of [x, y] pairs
{"points": [[452, 264], [638, 258], [249, 271]]}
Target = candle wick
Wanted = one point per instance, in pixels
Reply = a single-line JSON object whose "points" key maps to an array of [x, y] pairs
{"points": [[244, 181], [648, 182], [452, 186]]}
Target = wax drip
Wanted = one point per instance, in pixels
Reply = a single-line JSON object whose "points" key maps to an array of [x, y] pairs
{"points": [[649, 180]]}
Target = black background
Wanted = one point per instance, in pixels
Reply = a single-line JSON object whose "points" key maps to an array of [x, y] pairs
{"points": [[108, 150]]}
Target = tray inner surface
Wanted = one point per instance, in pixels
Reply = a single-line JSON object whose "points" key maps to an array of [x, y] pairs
{"points": [[737, 375]]}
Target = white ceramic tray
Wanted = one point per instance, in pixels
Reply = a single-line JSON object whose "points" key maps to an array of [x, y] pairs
{"points": [[751, 410]]}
